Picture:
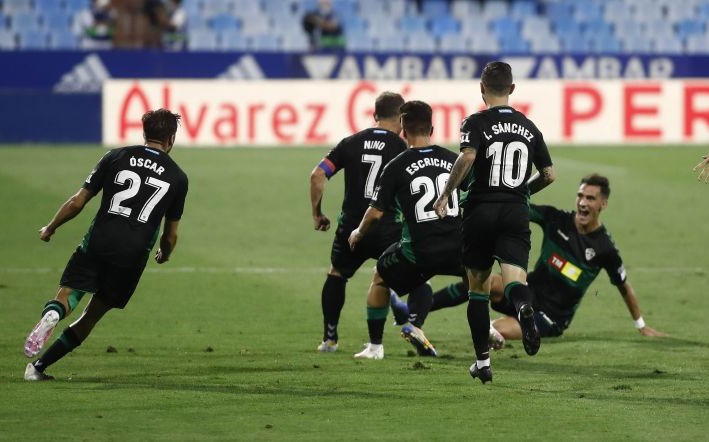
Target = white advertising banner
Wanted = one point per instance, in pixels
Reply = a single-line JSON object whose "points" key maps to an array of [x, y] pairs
{"points": [[311, 112]]}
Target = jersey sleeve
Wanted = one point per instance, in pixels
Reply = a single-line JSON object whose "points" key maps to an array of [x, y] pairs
{"points": [[613, 264], [174, 212], [470, 134], [94, 182], [334, 160], [385, 191], [540, 214]]}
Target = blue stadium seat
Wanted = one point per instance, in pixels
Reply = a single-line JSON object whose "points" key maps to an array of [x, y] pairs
{"points": [[558, 11], [465, 10], [667, 45], [576, 43], [698, 44], [523, 8], [548, 45], [391, 43], [73, 6], [201, 40], [193, 8], [295, 43], [33, 39], [245, 9], [637, 44], [224, 22], [688, 27], [492, 9], [598, 27], [444, 25], [3, 21], [216, 7], [354, 24], [587, 11], [48, 6], [453, 43], [233, 40], [7, 39], [25, 21], [504, 26], [363, 43], [435, 8], [63, 39], [343, 7], [606, 44], [412, 24], [57, 20], [266, 42], [513, 44], [420, 43], [11, 7]]}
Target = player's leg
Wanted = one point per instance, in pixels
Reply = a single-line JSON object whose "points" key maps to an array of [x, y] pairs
{"points": [[478, 315], [377, 308], [70, 338], [450, 296], [418, 304], [519, 294]]}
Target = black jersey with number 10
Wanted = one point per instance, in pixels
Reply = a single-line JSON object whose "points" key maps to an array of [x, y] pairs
{"points": [[507, 144], [411, 183], [140, 186]]}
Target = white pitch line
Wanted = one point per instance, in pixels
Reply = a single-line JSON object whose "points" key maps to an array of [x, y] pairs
{"points": [[266, 270]]}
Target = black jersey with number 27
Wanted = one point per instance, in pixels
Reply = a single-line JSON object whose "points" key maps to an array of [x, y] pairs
{"points": [[140, 186], [507, 144]]}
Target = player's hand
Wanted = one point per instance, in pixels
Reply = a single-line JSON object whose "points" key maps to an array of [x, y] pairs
{"points": [[354, 238], [321, 222], [703, 168], [160, 257], [45, 233], [441, 206], [647, 331]]}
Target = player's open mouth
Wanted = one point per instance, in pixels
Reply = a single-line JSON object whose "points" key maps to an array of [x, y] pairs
{"points": [[583, 212]]}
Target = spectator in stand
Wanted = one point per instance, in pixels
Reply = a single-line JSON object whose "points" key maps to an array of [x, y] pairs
{"points": [[95, 25], [175, 35], [323, 27]]}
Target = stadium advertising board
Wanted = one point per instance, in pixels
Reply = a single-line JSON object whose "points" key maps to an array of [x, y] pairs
{"points": [[320, 112]]}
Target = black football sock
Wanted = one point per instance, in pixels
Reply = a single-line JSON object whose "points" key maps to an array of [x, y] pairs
{"points": [[479, 323], [376, 318], [419, 304], [56, 306], [332, 300], [67, 342], [451, 296], [518, 294]]}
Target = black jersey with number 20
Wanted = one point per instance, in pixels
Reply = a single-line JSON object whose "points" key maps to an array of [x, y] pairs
{"points": [[411, 183], [507, 144], [140, 186]]}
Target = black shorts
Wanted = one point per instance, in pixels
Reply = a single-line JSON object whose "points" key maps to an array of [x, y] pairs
{"points": [[402, 275], [113, 285], [546, 325], [496, 231], [371, 246]]}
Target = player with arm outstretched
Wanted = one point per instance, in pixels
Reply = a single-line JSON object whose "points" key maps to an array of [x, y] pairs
{"points": [[141, 186]]}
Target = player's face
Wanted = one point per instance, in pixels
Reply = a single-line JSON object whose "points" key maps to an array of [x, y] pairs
{"points": [[589, 203]]}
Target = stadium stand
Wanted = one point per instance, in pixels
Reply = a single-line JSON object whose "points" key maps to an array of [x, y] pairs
{"points": [[513, 26]]}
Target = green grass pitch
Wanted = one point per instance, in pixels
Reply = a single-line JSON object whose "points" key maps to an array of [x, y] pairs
{"points": [[219, 343]]}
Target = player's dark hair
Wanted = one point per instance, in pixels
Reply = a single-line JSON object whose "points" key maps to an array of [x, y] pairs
{"points": [[497, 78], [598, 180], [416, 118], [387, 105], [159, 125]]}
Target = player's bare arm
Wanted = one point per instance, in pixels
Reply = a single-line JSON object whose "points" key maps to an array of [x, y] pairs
{"points": [[703, 168], [631, 301], [168, 241], [72, 207], [317, 189], [458, 172], [541, 179], [370, 218]]}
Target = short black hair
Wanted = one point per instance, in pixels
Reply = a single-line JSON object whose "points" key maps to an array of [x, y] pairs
{"points": [[416, 118], [595, 179], [387, 105], [497, 77], [159, 125]]}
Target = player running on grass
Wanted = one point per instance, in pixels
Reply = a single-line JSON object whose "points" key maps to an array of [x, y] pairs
{"points": [[498, 148], [141, 186], [428, 246], [362, 156], [575, 248]]}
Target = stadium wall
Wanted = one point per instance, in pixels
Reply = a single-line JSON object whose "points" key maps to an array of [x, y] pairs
{"points": [[57, 96]]}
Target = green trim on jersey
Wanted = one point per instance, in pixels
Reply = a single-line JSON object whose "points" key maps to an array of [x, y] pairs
{"points": [[568, 271], [406, 246], [85, 240]]}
